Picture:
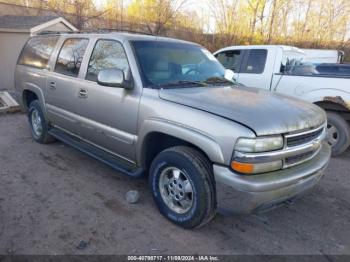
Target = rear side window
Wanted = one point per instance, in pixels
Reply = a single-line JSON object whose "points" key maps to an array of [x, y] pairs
{"points": [[70, 57], [106, 54], [230, 59], [37, 51], [255, 62]]}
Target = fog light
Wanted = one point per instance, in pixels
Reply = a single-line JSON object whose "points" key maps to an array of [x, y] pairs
{"points": [[256, 168]]}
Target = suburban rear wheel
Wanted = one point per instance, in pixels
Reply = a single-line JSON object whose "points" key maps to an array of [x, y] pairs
{"points": [[38, 124], [338, 133], [183, 187]]}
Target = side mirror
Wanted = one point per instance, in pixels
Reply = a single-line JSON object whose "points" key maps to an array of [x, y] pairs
{"points": [[230, 75], [114, 78]]}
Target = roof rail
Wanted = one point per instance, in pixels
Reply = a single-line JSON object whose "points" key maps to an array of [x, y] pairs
{"points": [[109, 30], [54, 32]]}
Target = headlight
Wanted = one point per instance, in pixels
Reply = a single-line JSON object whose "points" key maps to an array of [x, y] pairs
{"points": [[259, 144]]}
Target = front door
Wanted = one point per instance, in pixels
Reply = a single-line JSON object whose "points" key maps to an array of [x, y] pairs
{"points": [[108, 115]]}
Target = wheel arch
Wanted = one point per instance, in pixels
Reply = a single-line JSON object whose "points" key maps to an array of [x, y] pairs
{"points": [[156, 136], [31, 93], [335, 104]]}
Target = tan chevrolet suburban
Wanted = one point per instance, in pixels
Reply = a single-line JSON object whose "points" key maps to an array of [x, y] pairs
{"points": [[162, 107]]}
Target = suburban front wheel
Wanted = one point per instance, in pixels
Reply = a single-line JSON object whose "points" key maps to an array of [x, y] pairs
{"points": [[38, 124], [338, 133], [183, 186]]}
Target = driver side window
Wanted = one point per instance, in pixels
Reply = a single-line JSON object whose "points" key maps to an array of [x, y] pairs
{"points": [[230, 59], [106, 54]]}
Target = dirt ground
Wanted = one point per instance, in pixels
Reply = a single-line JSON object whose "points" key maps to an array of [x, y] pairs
{"points": [[56, 200]]}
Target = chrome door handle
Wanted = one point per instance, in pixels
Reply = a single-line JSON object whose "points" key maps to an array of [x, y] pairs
{"points": [[52, 85], [83, 93]]}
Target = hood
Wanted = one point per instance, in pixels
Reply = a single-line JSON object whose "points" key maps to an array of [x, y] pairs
{"points": [[264, 112]]}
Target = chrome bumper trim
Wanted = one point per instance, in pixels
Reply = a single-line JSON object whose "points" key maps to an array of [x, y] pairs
{"points": [[244, 194]]}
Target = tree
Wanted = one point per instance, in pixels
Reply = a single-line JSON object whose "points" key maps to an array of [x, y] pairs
{"points": [[155, 14], [225, 14], [255, 11], [115, 13], [81, 10]]}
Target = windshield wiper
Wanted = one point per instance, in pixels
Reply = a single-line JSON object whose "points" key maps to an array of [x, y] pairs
{"points": [[218, 80], [183, 83]]}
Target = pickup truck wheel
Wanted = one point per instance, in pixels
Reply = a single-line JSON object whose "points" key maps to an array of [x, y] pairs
{"points": [[338, 133], [183, 186], [38, 124]]}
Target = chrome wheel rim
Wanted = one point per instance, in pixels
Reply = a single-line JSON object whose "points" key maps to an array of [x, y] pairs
{"points": [[36, 123], [176, 190], [332, 134]]}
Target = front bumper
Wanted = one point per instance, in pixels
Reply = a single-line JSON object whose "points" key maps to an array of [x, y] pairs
{"points": [[244, 194]]}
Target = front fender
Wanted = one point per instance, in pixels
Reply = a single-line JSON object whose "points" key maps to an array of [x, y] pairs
{"points": [[196, 137]]}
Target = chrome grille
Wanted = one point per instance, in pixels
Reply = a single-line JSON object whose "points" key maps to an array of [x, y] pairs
{"points": [[296, 159], [311, 138], [298, 148], [303, 138]]}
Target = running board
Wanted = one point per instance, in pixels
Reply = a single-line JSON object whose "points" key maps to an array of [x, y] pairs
{"points": [[116, 163]]}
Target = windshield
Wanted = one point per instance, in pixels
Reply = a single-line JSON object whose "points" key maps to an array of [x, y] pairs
{"points": [[168, 64]]}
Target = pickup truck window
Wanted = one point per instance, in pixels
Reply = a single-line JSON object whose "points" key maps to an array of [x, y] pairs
{"points": [[230, 59], [70, 57], [254, 62], [37, 51], [165, 62], [106, 54]]}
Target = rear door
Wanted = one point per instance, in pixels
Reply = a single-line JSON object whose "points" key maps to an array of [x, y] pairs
{"points": [[63, 85], [108, 114]]}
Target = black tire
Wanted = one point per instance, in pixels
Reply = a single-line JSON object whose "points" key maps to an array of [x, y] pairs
{"points": [[43, 137], [342, 135], [197, 169]]}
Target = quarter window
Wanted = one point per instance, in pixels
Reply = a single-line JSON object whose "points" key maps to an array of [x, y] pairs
{"points": [[37, 51], [106, 54], [70, 57], [255, 63]]}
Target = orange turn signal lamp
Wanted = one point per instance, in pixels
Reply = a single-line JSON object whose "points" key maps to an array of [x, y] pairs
{"points": [[256, 168], [245, 168]]}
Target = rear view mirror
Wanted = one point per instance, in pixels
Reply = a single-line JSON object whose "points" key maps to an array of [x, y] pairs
{"points": [[229, 75], [113, 77]]}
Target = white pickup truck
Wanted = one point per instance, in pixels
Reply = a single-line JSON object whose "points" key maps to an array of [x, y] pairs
{"points": [[282, 69]]}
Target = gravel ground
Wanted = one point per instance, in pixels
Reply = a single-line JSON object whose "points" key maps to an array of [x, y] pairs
{"points": [[56, 200]]}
